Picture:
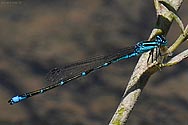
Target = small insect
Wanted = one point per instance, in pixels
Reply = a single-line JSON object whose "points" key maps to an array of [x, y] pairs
{"points": [[61, 76]]}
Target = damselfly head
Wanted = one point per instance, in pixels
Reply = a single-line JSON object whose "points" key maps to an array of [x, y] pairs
{"points": [[161, 40]]}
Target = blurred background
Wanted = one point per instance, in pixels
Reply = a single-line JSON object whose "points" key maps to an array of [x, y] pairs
{"points": [[36, 36]]}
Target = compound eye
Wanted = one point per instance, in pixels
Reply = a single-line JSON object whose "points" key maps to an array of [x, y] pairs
{"points": [[159, 38]]}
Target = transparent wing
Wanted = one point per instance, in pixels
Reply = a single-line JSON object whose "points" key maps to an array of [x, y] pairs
{"points": [[71, 71]]}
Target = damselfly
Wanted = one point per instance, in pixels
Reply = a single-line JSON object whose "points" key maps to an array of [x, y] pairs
{"points": [[61, 76]]}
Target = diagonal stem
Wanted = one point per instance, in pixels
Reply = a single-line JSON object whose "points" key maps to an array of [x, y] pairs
{"points": [[142, 71]]}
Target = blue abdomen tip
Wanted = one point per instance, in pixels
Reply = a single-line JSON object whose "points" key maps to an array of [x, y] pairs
{"points": [[16, 99]]}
